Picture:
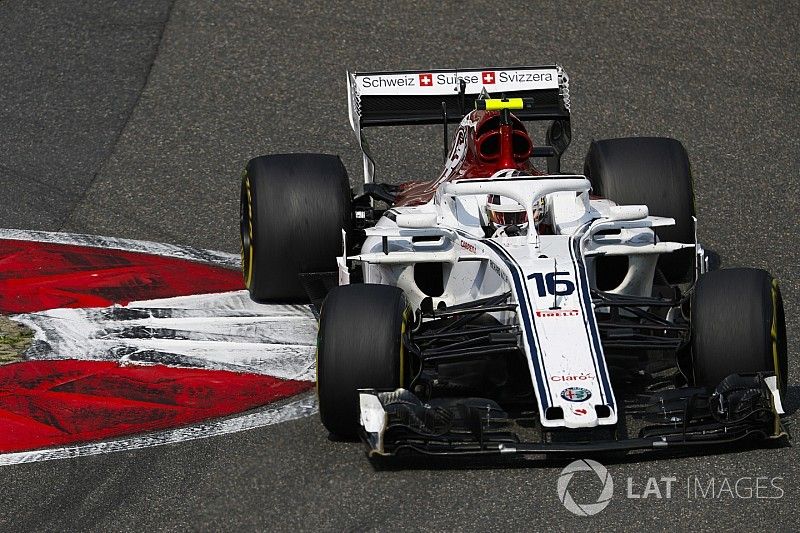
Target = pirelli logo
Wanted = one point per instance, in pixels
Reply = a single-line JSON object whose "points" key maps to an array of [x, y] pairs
{"points": [[557, 313]]}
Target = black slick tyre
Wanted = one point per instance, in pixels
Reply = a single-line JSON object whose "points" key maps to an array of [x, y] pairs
{"points": [[652, 171], [360, 345], [738, 326], [292, 211]]}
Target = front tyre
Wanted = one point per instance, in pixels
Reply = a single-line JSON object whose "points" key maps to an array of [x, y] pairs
{"points": [[738, 326], [360, 345]]}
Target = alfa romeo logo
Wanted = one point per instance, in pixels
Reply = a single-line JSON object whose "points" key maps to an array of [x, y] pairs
{"points": [[576, 394], [591, 508]]}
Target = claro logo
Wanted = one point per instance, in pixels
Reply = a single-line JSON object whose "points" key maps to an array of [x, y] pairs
{"points": [[573, 377]]}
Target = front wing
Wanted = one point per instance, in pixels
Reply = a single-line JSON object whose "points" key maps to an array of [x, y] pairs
{"points": [[741, 407]]}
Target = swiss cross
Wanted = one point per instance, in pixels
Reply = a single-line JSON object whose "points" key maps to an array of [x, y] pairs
{"points": [[425, 80], [488, 77]]}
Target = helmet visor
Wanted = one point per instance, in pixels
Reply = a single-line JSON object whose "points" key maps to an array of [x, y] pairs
{"points": [[508, 218]]}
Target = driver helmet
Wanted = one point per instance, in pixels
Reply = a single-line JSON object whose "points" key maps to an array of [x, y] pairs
{"points": [[504, 211]]}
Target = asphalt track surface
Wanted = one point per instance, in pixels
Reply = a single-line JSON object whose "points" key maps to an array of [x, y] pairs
{"points": [[134, 119]]}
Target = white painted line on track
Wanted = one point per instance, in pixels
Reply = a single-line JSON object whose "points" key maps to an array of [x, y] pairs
{"points": [[218, 331]]}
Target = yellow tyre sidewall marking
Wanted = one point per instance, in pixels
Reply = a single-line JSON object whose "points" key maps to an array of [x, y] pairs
{"points": [[319, 339], [403, 327], [248, 274], [774, 334]]}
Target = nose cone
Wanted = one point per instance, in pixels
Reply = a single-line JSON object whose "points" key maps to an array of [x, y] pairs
{"points": [[580, 416]]}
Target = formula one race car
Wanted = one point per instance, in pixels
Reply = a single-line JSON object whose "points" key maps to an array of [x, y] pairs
{"points": [[500, 308]]}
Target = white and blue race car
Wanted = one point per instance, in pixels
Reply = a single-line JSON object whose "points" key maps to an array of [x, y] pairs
{"points": [[506, 308]]}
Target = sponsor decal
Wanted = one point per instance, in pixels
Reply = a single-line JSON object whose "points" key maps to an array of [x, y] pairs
{"points": [[499, 271], [516, 76], [469, 247], [555, 313], [133, 337], [576, 394], [550, 285], [583, 376], [495, 81], [454, 79], [580, 412], [379, 82]]}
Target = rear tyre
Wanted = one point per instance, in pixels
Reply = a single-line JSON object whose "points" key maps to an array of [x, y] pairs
{"points": [[292, 211], [738, 326], [653, 171], [360, 345]]}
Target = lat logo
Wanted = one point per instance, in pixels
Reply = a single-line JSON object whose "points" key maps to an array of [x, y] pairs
{"points": [[425, 80], [488, 78]]}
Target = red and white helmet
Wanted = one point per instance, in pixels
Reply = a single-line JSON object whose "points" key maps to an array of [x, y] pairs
{"points": [[504, 211]]}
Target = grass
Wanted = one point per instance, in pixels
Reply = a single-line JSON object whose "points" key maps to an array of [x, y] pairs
{"points": [[14, 340]]}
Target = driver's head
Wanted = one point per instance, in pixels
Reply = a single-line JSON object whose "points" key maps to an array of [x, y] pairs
{"points": [[504, 211]]}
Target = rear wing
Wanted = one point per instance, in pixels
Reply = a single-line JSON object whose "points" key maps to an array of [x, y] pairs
{"points": [[412, 97], [416, 97]]}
